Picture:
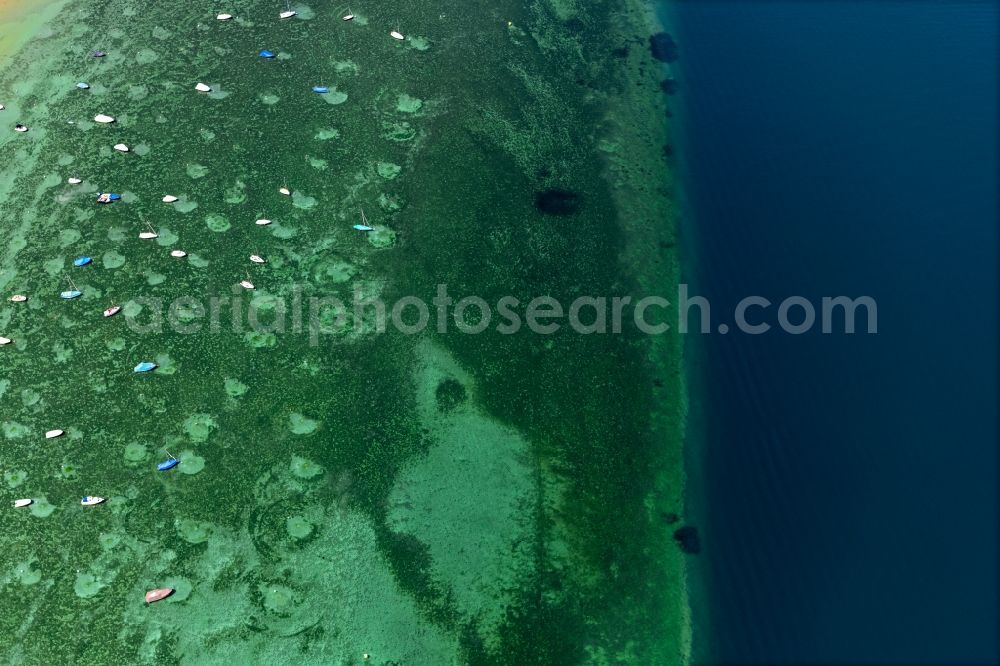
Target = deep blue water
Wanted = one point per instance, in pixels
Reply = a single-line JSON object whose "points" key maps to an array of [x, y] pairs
{"points": [[847, 485]]}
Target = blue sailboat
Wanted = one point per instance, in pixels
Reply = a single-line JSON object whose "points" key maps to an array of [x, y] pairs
{"points": [[82, 86], [82, 261], [169, 463], [266, 54], [70, 293], [364, 226], [107, 197], [322, 90], [145, 366]]}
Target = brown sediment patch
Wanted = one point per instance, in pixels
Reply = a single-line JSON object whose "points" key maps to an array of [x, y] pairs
{"points": [[20, 20]]}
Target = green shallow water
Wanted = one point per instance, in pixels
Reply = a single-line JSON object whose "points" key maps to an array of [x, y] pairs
{"points": [[424, 499]]}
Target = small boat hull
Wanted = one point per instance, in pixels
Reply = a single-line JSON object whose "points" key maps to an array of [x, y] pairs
{"points": [[22, 502], [257, 259], [91, 501], [202, 87], [322, 90], [267, 55], [363, 227], [158, 594], [103, 119], [82, 261], [348, 17], [395, 34], [224, 17], [262, 223], [286, 15], [5, 341], [70, 294], [179, 254], [246, 284], [52, 434], [147, 235], [83, 86], [18, 298], [169, 198], [285, 191], [145, 366], [121, 147], [167, 464], [112, 311], [107, 197]]}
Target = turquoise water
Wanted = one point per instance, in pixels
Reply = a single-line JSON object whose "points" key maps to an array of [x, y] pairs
{"points": [[428, 498]]}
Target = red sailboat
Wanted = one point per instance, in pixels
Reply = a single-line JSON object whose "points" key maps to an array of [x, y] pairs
{"points": [[159, 593]]}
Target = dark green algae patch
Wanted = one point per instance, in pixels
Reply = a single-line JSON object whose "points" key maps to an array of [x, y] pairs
{"points": [[443, 498]]}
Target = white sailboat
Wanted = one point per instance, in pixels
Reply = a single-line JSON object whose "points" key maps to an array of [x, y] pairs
{"points": [[5, 341], [52, 434], [18, 298], [224, 17], [247, 284], [262, 222], [22, 502], [91, 501], [203, 87], [349, 16], [169, 198], [148, 235], [180, 254], [121, 148], [288, 13], [396, 34], [104, 119], [257, 259]]}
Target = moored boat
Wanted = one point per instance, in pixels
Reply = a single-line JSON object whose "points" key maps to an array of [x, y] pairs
{"points": [[73, 180], [396, 34], [178, 253], [104, 119], [158, 594], [121, 147], [18, 503], [203, 87], [145, 366], [262, 222], [52, 434], [18, 298], [169, 463], [5, 341], [82, 261], [107, 197], [169, 198], [224, 17], [112, 311], [257, 259], [89, 500]]}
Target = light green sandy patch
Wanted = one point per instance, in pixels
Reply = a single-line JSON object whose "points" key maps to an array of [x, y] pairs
{"points": [[135, 452], [269, 99], [480, 549], [87, 585], [388, 170], [153, 278], [304, 468], [197, 170], [68, 236], [166, 237], [301, 425], [191, 463], [199, 426], [146, 56], [235, 388], [13, 430], [259, 340], [193, 531], [334, 97], [112, 260], [382, 237], [300, 200], [42, 508], [26, 574], [185, 205], [298, 527], [408, 104], [14, 478], [217, 223], [327, 133]]}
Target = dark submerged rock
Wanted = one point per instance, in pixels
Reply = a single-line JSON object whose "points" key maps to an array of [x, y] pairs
{"points": [[687, 538], [668, 86], [450, 394], [557, 202], [663, 47]]}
